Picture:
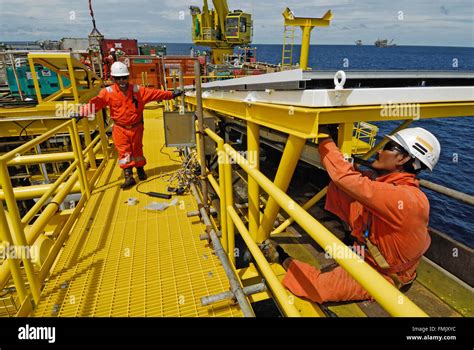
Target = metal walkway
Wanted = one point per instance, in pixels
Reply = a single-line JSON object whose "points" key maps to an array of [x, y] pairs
{"points": [[122, 260]]}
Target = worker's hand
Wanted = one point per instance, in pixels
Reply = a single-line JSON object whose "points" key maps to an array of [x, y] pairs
{"points": [[177, 93]]}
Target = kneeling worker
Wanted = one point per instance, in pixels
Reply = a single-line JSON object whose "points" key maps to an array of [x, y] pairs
{"points": [[127, 102], [388, 217]]}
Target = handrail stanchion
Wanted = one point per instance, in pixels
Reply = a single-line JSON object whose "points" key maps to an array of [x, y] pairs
{"points": [[229, 196], [88, 140], [76, 147], [253, 156], [14, 264], [17, 229]]}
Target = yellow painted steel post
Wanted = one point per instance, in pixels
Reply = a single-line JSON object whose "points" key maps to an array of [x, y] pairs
{"points": [[390, 298], [88, 140], [18, 232], [14, 264], [102, 134], [279, 292], [199, 113], [344, 138], [35, 80], [308, 205], [72, 79], [76, 147], [229, 197], [305, 45], [221, 158], [289, 160], [253, 156]]}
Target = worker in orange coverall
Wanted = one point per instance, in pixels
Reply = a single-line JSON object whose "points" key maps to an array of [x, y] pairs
{"points": [[126, 102], [388, 217]]}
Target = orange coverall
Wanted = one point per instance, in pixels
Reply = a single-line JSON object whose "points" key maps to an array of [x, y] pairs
{"points": [[127, 131], [399, 213]]}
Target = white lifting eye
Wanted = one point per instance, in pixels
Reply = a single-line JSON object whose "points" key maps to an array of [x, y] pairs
{"points": [[339, 85]]}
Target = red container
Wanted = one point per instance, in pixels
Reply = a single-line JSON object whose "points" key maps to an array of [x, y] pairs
{"points": [[128, 46], [146, 71], [185, 63]]}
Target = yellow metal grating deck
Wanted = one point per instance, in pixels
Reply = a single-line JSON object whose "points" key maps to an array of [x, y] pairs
{"points": [[122, 260]]}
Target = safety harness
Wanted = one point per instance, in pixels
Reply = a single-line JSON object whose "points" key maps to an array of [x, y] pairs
{"points": [[383, 265]]}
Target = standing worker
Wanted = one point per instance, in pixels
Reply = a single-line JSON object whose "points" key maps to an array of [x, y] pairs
{"points": [[126, 102], [388, 217]]}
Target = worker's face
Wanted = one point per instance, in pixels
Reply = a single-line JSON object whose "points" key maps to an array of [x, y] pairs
{"points": [[391, 158], [122, 82]]}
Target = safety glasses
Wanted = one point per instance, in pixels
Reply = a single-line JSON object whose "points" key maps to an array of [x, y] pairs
{"points": [[125, 77], [392, 146]]}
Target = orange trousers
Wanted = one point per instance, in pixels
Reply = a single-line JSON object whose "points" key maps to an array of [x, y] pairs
{"points": [[308, 282], [129, 144]]}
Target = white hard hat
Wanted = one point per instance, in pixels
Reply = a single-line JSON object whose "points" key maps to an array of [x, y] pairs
{"points": [[119, 69], [112, 50], [420, 144]]}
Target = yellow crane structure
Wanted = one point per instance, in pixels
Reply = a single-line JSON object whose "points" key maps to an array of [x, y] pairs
{"points": [[306, 24], [220, 29]]}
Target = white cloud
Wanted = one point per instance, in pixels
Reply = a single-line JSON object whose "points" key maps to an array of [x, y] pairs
{"points": [[427, 22]]}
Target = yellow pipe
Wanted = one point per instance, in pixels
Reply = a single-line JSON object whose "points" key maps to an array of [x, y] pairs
{"points": [[72, 79], [30, 144], [253, 155], [52, 189], [41, 158], [17, 230], [76, 147], [222, 191], [41, 222], [213, 182], [279, 292], [305, 45], [308, 205], [289, 160], [344, 138], [88, 142], [35, 80], [390, 298], [229, 196], [14, 264]]}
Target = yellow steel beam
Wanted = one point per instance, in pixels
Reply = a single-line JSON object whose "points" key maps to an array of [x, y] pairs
{"points": [[253, 156], [344, 138], [391, 299], [289, 160], [42, 158], [303, 121]]}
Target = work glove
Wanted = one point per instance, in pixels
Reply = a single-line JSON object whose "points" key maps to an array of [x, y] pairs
{"points": [[177, 93]]}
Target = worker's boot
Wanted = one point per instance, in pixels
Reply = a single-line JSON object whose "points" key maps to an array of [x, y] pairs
{"points": [[129, 180], [141, 173]]}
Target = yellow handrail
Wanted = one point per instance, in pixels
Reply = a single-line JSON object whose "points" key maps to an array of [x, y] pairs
{"points": [[390, 298]]}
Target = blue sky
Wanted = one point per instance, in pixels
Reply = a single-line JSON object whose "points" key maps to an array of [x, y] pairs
{"points": [[408, 22]]}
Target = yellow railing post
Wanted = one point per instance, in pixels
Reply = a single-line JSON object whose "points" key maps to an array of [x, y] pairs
{"points": [[102, 134], [289, 160], [221, 158], [76, 147], [17, 229], [253, 156], [229, 197], [13, 263], [88, 140]]}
